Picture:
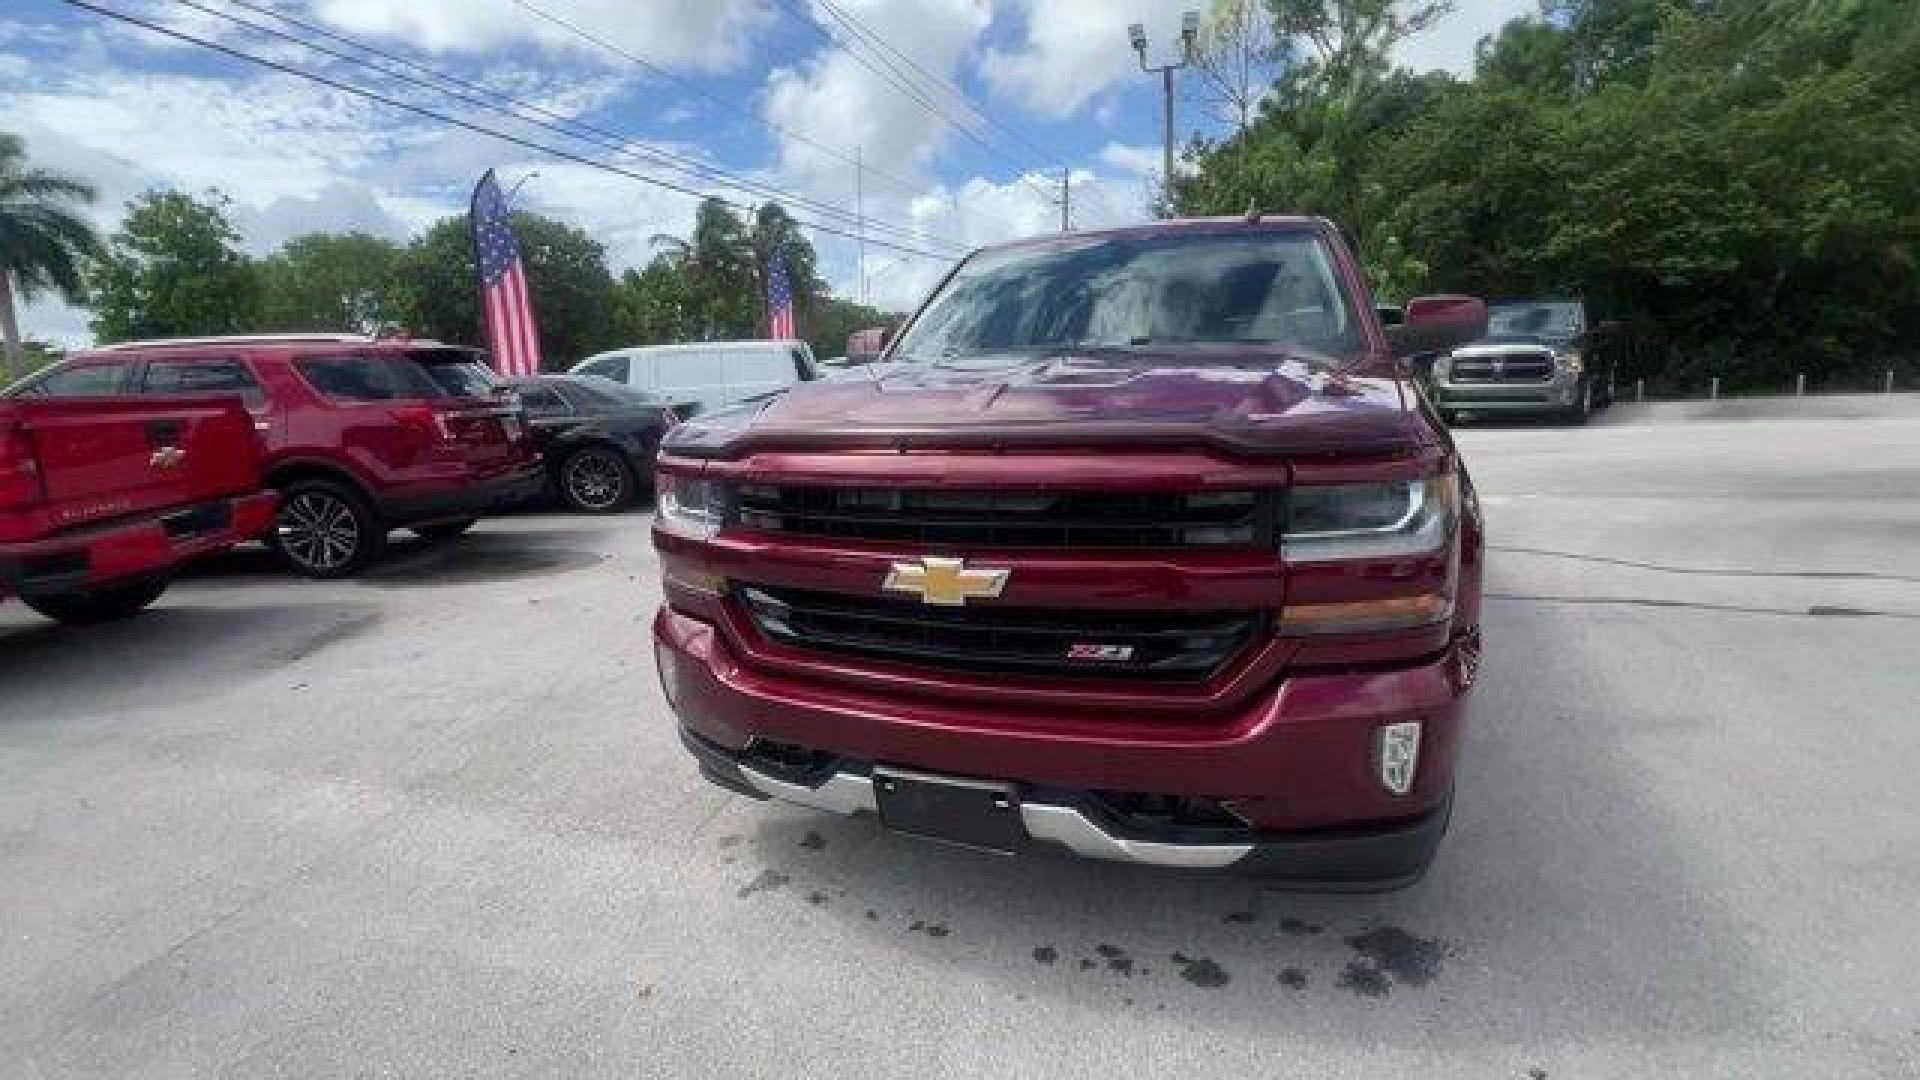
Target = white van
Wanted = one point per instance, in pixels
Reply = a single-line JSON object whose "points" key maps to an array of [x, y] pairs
{"points": [[706, 374]]}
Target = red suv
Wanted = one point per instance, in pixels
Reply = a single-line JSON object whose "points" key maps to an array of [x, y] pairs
{"points": [[1136, 544], [360, 435]]}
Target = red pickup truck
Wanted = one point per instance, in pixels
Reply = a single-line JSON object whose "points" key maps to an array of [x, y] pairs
{"points": [[100, 498], [1137, 544]]}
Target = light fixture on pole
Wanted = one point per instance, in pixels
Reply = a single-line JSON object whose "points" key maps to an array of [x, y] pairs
{"points": [[515, 189], [1189, 41]]}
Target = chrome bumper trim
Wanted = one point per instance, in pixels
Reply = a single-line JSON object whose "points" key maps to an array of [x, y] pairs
{"points": [[850, 793], [842, 793]]}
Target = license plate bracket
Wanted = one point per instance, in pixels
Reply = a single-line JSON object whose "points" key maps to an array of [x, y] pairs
{"points": [[978, 814]]}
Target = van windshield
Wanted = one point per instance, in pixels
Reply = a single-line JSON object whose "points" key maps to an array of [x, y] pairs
{"points": [[1124, 291]]}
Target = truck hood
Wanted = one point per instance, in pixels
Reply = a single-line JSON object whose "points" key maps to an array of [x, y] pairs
{"points": [[1257, 401]]}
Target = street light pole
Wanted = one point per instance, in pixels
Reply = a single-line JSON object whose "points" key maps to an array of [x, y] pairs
{"points": [[507, 202], [1189, 33]]}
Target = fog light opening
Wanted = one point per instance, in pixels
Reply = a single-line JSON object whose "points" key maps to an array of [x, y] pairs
{"points": [[1397, 753]]}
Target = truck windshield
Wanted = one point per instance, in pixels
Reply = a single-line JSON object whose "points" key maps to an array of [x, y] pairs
{"points": [[1270, 287], [1554, 319]]}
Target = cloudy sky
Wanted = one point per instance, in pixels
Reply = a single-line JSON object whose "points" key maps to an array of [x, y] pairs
{"points": [[741, 98]]}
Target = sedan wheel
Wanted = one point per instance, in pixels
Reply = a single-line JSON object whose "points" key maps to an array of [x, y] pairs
{"points": [[326, 532], [596, 480]]}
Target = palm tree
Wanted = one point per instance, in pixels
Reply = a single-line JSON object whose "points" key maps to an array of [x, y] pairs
{"points": [[43, 242]]}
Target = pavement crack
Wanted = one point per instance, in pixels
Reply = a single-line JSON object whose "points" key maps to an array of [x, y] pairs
{"points": [[1815, 575], [1817, 611]]}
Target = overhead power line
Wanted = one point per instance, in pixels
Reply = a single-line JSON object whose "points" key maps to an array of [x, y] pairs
{"points": [[479, 96], [849, 157], [848, 19], [481, 129], [874, 59]]}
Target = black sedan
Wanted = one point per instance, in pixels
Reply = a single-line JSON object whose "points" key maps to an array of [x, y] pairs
{"points": [[598, 437]]}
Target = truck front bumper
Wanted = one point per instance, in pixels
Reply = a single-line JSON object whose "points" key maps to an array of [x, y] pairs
{"points": [[1295, 766], [73, 562], [1558, 394]]}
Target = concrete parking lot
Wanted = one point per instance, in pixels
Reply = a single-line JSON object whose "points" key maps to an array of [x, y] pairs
{"points": [[436, 822]]}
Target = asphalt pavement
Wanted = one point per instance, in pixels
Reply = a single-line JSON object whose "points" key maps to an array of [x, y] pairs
{"points": [[436, 823]]}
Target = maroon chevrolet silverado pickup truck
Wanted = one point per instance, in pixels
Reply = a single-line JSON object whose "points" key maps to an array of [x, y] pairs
{"points": [[100, 498], [1137, 544]]}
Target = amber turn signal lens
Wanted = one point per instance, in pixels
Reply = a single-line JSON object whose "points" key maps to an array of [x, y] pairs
{"points": [[1390, 613]]}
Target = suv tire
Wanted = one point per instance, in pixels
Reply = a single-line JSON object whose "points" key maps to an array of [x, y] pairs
{"points": [[104, 604], [597, 480], [326, 530]]}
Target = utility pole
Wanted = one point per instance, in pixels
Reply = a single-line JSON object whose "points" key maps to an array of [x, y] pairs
{"points": [[860, 219], [1189, 33], [1066, 199]]}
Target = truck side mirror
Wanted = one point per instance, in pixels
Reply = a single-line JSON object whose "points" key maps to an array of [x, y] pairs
{"points": [[1434, 323]]}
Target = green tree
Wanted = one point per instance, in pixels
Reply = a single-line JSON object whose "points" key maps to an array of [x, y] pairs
{"points": [[1732, 179], [655, 305], [774, 230], [44, 242], [835, 319], [437, 289], [342, 282], [174, 268]]}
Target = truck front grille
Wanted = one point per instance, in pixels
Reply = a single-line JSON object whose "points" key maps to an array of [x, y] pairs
{"points": [[1015, 518], [1173, 645], [1512, 368]]}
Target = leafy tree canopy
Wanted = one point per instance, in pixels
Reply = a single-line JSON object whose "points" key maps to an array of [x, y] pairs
{"points": [[1733, 179]]}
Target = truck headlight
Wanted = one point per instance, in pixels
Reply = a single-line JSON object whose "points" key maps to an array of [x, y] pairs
{"points": [[1570, 361], [1379, 522], [689, 505], [1383, 520]]}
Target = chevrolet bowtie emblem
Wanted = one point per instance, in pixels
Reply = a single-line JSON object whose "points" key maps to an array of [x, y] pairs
{"points": [[167, 457], [945, 582]]}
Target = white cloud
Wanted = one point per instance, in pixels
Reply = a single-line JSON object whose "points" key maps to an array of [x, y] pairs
{"points": [[841, 104], [703, 34], [295, 158], [1136, 159], [977, 212], [1449, 43], [1072, 51]]}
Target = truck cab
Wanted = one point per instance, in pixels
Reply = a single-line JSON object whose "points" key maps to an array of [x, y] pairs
{"points": [[1135, 544]]}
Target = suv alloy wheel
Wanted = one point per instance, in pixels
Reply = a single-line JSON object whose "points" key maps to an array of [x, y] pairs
{"points": [[326, 531]]}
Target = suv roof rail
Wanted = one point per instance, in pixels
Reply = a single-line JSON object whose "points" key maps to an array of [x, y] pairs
{"points": [[230, 339]]}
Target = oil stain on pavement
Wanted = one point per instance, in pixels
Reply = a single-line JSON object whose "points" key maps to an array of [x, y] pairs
{"points": [[1390, 956]]}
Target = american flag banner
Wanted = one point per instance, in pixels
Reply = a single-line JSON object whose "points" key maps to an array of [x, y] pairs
{"points": [[512, 337], [779, 300]]}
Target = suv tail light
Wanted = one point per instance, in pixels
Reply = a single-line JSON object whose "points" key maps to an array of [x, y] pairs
{"points": [[424, 419], [19, 469]]}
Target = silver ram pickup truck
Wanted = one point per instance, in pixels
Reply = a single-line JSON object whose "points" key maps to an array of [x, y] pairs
{"points": [[1540, 357]]}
